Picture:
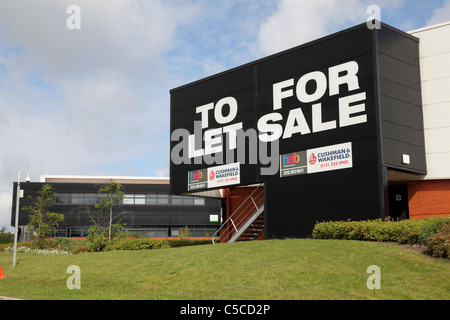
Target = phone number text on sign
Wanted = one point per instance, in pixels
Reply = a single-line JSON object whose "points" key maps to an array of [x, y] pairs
{"points": [[322, 159]]}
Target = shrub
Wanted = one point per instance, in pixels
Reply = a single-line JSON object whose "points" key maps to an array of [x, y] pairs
{"points": [[409, 235], [6, 237], [149, 244], [97, 238], [404, 231], [176, 243], [437, 245], [137, 244], [80, 249]]}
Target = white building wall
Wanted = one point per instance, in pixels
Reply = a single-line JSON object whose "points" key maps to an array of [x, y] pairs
{"points": [[435, 74]]}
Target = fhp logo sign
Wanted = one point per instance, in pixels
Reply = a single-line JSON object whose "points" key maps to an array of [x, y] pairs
{"points": [[292, 164], [197, 179]]}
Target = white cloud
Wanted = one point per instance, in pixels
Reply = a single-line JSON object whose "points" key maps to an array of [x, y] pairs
{"points": [[441, 15], [5, 209], [114, 34], [299, 21], [87, 101]]}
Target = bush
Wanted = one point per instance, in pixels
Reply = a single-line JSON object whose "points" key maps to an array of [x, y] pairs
{"points": [[437, 245], [137, 244], [176, 243], [6, 237], [409, 236], [80, 249], [372, 230], [405, 231], [149, 244]]}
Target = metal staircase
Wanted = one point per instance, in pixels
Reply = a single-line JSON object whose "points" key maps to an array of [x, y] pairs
{"points": [[246, 223]]}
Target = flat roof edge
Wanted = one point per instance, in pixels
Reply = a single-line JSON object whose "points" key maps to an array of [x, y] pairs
{"points": [[434, 26]]}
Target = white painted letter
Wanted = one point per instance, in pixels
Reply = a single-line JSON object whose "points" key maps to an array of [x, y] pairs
{"points": [[317, 123], [321, 87], [279, 94], [203, 110], [345, 110], [233, 110], [275, 129], [350, 78], [296, 116]]}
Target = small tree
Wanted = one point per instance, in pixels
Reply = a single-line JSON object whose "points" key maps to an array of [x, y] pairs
{"points": [[184, 233], [111, 194], [41, 219], [5, 237]]}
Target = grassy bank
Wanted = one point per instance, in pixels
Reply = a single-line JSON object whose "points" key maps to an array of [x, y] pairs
{"points": [[278, 269]]}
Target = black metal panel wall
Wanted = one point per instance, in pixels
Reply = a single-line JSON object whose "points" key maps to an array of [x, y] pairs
{"points": [[139, 215], [400, 100], [295, 204]]}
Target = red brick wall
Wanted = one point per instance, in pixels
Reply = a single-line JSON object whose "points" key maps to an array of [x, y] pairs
{"points": [[428, 198]]}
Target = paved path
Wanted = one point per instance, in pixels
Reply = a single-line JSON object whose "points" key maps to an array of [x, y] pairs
{"points": [[8, 298]]}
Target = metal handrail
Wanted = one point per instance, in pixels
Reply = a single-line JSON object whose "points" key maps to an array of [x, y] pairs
{"points": [[246, 216]]}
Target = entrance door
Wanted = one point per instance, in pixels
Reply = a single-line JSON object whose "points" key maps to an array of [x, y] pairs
{"points": [[398, 202]]}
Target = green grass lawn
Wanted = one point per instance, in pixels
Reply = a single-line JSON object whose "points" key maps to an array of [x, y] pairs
{"points": [[276, 269]]}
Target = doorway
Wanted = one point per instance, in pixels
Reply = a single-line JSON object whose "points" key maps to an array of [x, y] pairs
{"points": [[398, 201]]}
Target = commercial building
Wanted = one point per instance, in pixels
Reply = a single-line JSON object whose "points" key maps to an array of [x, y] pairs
{"points": [[147, 208], [355, 125]]}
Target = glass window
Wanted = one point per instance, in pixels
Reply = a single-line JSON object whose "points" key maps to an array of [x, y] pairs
{"points": [[76, 232], [139, 199], [128, 199], [90, 198], [162, 232], [188, 201], [77, 198], [177, 200], [163, 198], [199, 201], [140, 231], [197, 231], [63, 198], [100, 197], [151, 198], [150, 232], [61, 232]]}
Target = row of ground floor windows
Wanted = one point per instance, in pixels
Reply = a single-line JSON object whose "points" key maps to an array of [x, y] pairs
{"points": [[146, 231]]}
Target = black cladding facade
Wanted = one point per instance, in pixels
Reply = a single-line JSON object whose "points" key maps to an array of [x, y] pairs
{"points": [[167, 214], [385, 108]]}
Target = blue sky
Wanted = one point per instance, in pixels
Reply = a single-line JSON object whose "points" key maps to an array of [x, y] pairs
{"points": [[95, 101]]}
